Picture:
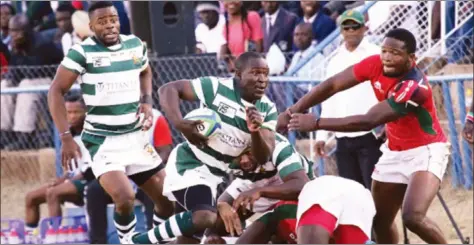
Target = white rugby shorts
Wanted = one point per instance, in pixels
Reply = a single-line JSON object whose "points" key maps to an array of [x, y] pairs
{"points": [[398, 166], [130, 153], [350, 202]]}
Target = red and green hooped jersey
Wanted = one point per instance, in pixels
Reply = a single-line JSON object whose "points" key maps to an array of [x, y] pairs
{"points": [[284, 215], [412, 97]]}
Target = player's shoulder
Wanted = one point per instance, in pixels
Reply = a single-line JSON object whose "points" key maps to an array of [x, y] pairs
{"points": [[413, 88], [131, 40], [374, 60]]}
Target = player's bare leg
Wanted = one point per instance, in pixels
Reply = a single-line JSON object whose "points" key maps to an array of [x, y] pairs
{"points": [[421, 191], [388, 198], [257, 233], [64, 192], [32, 202], [312, 234], [118, 186], [153, 187]]}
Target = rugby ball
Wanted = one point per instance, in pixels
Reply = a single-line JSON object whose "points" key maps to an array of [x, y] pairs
{"points": [[211, 120]]}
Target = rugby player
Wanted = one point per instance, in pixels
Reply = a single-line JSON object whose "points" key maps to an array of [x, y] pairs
{"points": [[115, 80], [195, 168], [258, 189], [414, 159], [468, 130]]}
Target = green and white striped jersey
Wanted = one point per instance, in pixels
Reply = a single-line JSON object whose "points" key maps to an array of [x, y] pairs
{"points": [[285, 160], [110, 83], [223, 96]]}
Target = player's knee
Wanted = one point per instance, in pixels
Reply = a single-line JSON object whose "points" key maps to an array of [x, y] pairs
{"points": [[204, 216], [412, 219], [51, 195], [124, 203], [30, 199]]}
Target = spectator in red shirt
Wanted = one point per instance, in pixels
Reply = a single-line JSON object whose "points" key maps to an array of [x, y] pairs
{"points": [[242, 31]]}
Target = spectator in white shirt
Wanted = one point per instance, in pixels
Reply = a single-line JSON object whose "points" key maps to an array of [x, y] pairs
{"points": [[358, 152], [209, 33]]}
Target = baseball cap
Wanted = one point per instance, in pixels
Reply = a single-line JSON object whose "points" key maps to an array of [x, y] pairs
{"points": [[353, 15]]}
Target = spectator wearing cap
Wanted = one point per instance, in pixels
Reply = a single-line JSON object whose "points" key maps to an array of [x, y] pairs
{"points": [[6, 12], [322, 24], [277, 25], [358, 152], [209, 37]]}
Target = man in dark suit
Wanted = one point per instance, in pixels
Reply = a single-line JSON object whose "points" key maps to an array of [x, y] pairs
{"points": [[277, 25], [323, 25]]}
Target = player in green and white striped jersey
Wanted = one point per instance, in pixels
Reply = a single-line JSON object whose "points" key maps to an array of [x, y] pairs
{"points": [[258, 188], [195, 168], [115, 80]]}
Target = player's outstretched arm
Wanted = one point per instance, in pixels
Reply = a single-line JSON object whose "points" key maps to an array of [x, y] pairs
{"points": [[339, 82], [170, 94]]}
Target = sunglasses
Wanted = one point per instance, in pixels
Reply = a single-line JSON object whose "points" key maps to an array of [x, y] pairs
{"points": [[354, 27]]}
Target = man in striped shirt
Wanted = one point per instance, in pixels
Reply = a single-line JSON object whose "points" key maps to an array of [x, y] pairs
{"points": [[115, 80], [195, 168]]}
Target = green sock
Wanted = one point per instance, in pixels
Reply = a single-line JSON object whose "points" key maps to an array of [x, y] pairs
{"points": [[175, 226], [124, 223]]}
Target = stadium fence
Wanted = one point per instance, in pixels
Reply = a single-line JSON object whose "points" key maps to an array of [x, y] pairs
{"points": [[450, 95]]}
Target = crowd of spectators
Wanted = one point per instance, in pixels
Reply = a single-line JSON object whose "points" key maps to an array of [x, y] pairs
{"points": [[44, 31]]}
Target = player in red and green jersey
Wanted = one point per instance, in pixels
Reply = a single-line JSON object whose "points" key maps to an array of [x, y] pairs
{"points": [[414, 158], [467, 131]]}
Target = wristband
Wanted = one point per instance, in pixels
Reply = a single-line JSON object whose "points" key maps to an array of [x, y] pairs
{"points": [[470, 117], [317, 123], [64, 133]]}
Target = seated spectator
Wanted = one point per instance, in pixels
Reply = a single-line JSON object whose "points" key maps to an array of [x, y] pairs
{"points": [[322, 24], [18, 119], [63, 35], [277, 25], [242, 31], [68, 188], [6, 12], [209, 36]]}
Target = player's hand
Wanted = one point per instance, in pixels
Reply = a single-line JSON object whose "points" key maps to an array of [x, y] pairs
{"points": [[230, 218], [214, 239], [56, 182], [283, 121], [319, 147], [70, 153], [253, 118], [302, 122], [246, 199], [468, 132], [190, 131], [147, 110]]}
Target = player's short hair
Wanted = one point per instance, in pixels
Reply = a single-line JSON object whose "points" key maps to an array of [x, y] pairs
{"points": [[66, 7], [74, 97], [405, 36], [244, 59], [100, 5]]}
